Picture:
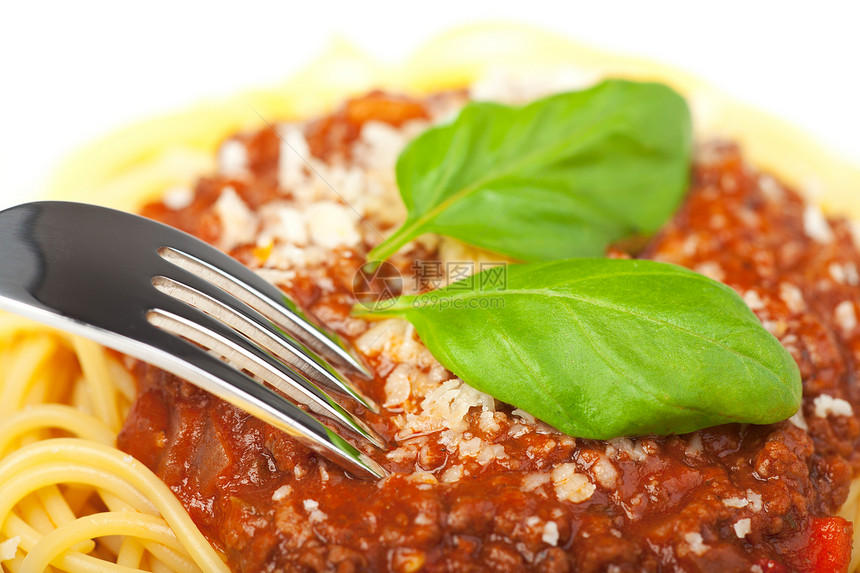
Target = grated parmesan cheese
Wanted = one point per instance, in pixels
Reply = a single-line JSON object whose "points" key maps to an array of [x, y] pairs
{"points": [[755, 500], [753, 300], [550, 533], [452, 474], [569, 485], [238, 222], [398, 384], [294, 151], [313, 508], [281, 222], [742, 527], [798, 420], [177, 198], [232, 158], [845, 316], [281, 493], [792, 297], [332, 225], [696, 543], [826, 405], [815, 225], [534, 480], [737, 502]]}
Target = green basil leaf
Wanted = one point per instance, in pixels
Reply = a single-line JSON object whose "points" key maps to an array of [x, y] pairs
{"points": [[601, 348], [562, 177]]}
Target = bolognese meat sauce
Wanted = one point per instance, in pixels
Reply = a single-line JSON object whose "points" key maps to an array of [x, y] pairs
{"points": [[476, 485]]}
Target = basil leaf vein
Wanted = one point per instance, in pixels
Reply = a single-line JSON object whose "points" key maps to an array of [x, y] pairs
{"points": [[601, 348], [564, 176]]}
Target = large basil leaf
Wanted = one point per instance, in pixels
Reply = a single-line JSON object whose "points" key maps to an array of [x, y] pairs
{"points": [[561, 177], [601, 348]]}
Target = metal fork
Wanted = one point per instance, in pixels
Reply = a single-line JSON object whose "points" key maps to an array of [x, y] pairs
{"points": [[169, 299]]}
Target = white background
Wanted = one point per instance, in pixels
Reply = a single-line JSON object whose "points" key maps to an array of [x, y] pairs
{"points": [[70, 72]]}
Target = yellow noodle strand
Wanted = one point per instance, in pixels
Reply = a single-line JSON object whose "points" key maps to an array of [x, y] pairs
{"points": [[60, 416], [46, 474], [70, 561], [59, 513], [52, 545], [130, 553], [62, 452], [95, 369], [22, 373]]}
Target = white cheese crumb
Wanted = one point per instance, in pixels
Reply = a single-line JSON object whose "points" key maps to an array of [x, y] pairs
{"points": [[771, 188], [742, 527], [490, 452], [755, 500], [402, 454], [293, 152], [532, 520], [384, 144], [313, 509], [694, 445], [523, 415], [826, 404], [815, 225], [569, 485], [736, 502], [9, 547], [604, 473], [398, 385], [281, 493], [177, 198], [634, 449], [534, 480], [798, 420], [696, 543], [845, 316], [452, 474], [232, 158], [756, 569], [712, 270], [332, 224], [238, 222], [282, 223], [423, 519], [792, 297], [845, 273], [753, 300], [550, 533]]}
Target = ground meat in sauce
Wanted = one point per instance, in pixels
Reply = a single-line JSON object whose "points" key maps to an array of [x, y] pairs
{"points": [[733, 498]]}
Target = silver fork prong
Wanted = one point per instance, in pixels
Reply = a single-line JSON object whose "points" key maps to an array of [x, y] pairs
{"points": [[210, 324], [227, 273], [272, 338], [88, 270], [223, 380]]}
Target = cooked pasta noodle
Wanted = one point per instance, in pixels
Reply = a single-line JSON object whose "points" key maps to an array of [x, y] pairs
{"points": [[54, 490]]}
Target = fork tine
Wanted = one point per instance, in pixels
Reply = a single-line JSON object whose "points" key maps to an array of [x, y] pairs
{"points": [[227, 273], [210, 373], [267, 335], [201, 322]]}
